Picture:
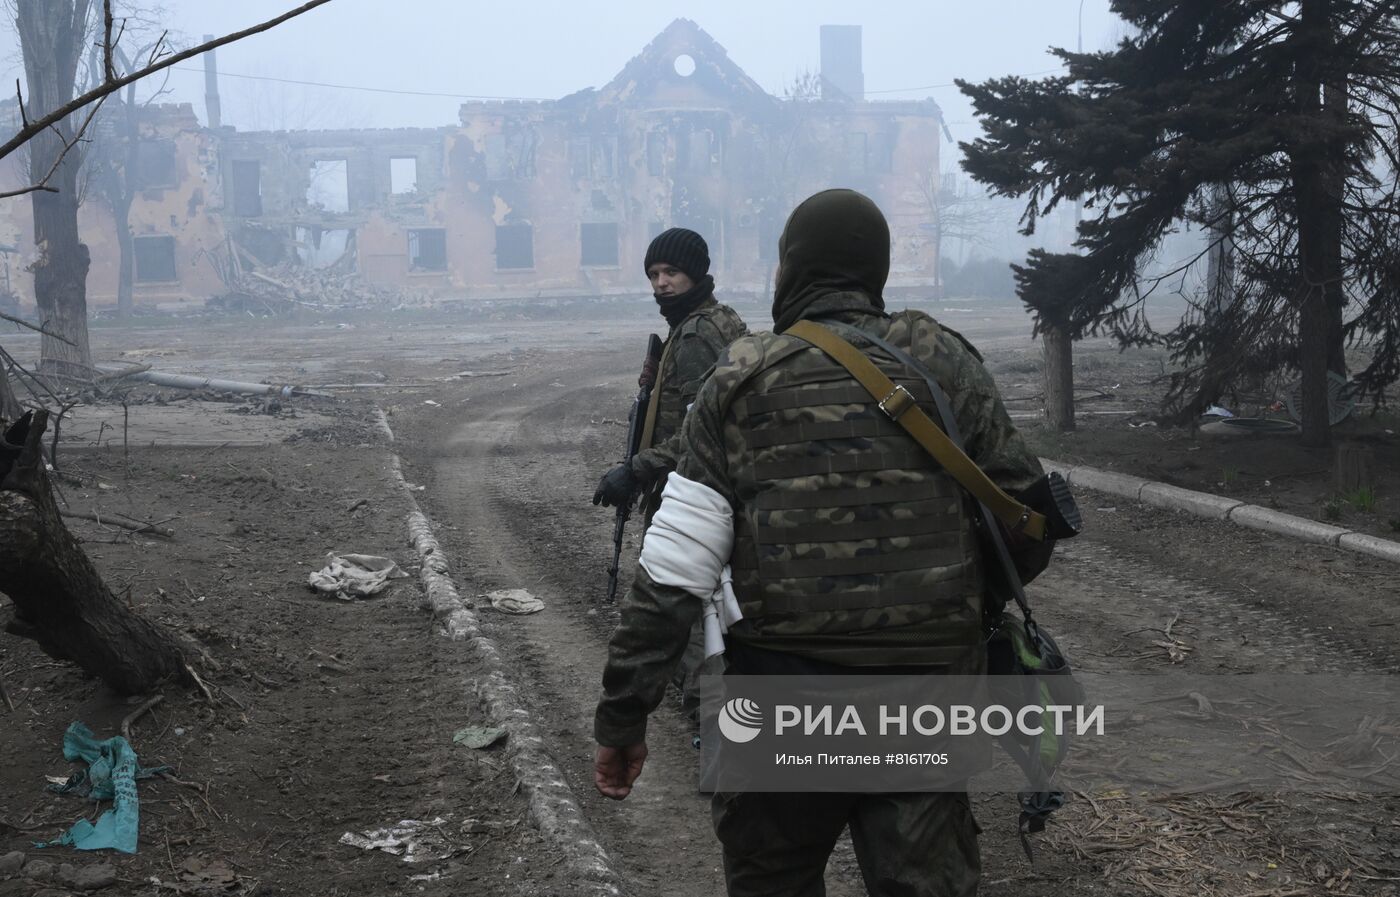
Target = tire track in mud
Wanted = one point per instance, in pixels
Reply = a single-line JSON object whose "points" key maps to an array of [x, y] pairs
{"points": [[511, 484], [509, 487], [1105, 596]]}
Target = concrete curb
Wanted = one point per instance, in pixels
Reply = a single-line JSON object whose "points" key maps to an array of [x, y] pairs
{"points": [[1217, 507], [553, 805]]}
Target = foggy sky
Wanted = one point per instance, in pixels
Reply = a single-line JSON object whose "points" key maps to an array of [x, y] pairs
{"points": [[534, 48]]}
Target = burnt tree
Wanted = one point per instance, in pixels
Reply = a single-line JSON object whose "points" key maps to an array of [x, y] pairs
{"points": [[52, 41], [59, 598]]}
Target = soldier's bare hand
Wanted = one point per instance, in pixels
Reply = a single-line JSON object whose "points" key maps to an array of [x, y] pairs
{"points": [[615, 769]]}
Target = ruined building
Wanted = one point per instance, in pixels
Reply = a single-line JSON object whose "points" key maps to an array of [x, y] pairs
{"points": [[523, 199]]}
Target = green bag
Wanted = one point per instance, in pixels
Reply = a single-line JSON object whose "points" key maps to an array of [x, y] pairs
{"points": [[1027, 668]]}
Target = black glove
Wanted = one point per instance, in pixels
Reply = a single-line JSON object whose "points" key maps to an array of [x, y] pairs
{"points": [[616, 488]]}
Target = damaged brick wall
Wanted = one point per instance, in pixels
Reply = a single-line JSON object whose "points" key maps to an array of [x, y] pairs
{"points": [[521, 199]]}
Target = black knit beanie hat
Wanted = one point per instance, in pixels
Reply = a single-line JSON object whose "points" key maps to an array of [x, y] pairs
{"points": [[685, 249]]}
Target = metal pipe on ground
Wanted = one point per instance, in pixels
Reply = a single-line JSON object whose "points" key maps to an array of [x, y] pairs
{"points": [[187, 381]]}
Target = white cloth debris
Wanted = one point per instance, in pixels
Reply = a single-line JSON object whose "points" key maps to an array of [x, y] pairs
{"points": [[515, 601], [415, 840], [351, 576]]}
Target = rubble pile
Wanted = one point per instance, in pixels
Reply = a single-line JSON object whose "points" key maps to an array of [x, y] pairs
{"points": [[290, 286]]}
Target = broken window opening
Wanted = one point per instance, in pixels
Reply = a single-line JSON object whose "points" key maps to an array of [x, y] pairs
{"points": [[599, 245], [515, 246], [684, 65], [329, 187], [247, 188], [155, 165], [155, 259], [510, 156], [656, 153], [319, 248], [403, 175], [427, 249]]}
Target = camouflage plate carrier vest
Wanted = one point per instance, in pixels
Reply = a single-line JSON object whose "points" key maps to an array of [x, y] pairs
{"points": [[675, 384], [851, 544]]}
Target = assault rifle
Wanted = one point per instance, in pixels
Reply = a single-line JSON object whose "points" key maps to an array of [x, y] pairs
{"points": [[636, 421]]}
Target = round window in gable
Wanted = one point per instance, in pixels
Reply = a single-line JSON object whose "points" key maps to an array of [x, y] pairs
{"points": [[685, 65]]}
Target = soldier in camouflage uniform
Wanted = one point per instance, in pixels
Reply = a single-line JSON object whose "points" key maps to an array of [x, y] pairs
{"points": [[677, 263], [852, 549]]}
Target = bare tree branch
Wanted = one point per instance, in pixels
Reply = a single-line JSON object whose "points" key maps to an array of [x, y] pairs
{"points": [[36, 327], [111, 85], [67, 148]]}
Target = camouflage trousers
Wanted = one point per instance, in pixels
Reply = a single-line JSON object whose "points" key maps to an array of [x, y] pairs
{"points": [[908, 845]]}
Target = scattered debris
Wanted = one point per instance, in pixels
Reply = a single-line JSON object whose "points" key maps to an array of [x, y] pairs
{"points": [[351, 576], [290, 286], [187, 381], [415, 840], [136, 714], [478, 737], [467, 375], [137, 527], [111, 775], [515, 601]]}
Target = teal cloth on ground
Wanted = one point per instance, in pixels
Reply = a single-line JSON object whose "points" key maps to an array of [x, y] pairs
{"points": [[111, 775]]}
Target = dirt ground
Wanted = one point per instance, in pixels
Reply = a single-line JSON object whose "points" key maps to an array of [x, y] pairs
{"points": [[334, 717]]}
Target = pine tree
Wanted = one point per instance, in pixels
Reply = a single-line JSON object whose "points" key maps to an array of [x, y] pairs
{"points": [[1273, 125]]}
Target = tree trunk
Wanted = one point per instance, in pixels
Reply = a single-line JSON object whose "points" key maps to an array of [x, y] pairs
{"points": [[52, 38], [122, 192], [60, 283], [1354, 468], [1319, 210], [1059, 377], [126, 267], [1334, 100], [60, 599], [10, 409]]}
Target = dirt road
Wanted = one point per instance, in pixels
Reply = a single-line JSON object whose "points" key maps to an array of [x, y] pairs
{"points": [[509, 468], [345, 713]]}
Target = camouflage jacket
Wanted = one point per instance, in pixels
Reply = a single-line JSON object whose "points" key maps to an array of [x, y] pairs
{"points": [[656, 620], [692, 348]]}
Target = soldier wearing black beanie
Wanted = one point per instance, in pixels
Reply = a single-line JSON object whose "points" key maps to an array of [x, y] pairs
{"points": [[678, 265]]}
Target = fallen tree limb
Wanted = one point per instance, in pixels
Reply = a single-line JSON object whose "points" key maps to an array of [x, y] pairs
{"points": [[136, 526]]}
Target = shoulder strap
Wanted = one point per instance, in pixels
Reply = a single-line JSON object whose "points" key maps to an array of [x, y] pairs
{"points": [[649, 422], [899, 405], [997, 544]]}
